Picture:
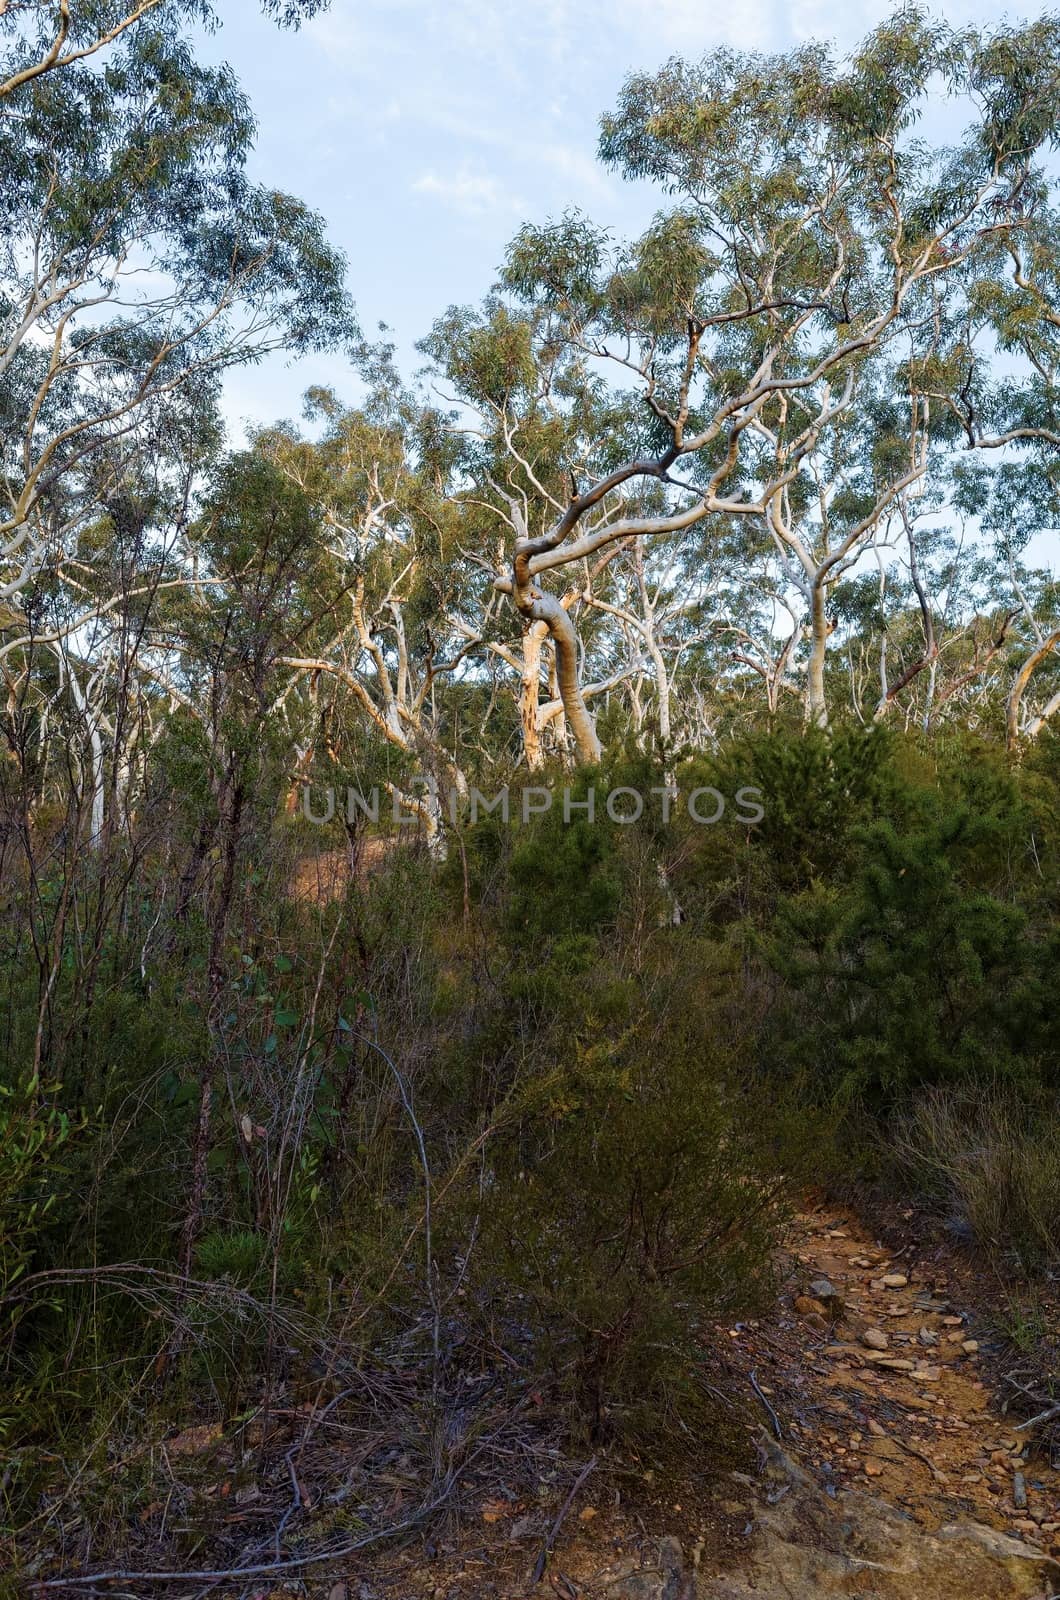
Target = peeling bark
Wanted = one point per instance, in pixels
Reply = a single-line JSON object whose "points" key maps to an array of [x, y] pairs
{"points": [[1019, 689], [537, 606]]}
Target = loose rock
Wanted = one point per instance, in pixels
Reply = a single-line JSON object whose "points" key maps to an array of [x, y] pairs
{"points": [[806, 1306], [825, 1291]]}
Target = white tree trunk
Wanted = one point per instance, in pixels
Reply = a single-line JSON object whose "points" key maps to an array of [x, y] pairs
{"points": [[816, 701]]}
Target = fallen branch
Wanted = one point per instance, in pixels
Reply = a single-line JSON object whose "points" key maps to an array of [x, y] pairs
{"points": [[772, 1414], [939, 1476], [553, 1533], [261, 1569], [1043, 1416]]}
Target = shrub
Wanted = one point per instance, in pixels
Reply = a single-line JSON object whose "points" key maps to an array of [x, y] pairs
{"points": [[632, 1201], [992, 1168]]}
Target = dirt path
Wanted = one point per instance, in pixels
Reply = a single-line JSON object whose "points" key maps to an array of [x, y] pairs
{"points": [[916, 1421], [889, 1471], [886, 1468]]}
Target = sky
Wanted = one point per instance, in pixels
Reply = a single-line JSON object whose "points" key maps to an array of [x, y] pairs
{"points": [[427, 131]]}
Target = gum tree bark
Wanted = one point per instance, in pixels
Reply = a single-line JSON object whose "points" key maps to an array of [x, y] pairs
{"points": [[541, 608], [1019, 688]]}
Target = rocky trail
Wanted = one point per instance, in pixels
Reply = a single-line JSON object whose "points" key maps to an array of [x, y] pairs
{"points": [[888, 1469], [898, 1473]]}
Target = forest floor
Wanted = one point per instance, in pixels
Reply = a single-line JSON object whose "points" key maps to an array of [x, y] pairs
{"points": [[889, 1473], [891, 1463]]}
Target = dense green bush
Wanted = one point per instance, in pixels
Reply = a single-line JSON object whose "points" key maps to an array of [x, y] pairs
{"points": [[630, 1201], [599, 1060]]}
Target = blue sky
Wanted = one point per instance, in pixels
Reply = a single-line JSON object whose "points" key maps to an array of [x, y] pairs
{"points": [[426, 131]]}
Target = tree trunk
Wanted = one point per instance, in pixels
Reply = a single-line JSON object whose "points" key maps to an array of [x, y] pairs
{"points": [[1048, 710], [1019, 688], [662, 692], [816, 704], [530, 694], [537, 606]]}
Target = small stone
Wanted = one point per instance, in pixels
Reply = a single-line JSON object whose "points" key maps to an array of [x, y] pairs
{"points": [[927, 1336], [873, 1469], [894, 1280], [1019, 1491], [822, 1289], [970, 1346], [955, 1338], [953, 1322], [889, 1362], [806, 1306], [1025, 1525], [874, 1338], [875, 1429], [928, 1374]]}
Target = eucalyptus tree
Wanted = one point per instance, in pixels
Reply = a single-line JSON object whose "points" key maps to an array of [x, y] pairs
{"points": [[45, 36], [1000, 379], [1016, 500], [1033, 688], [927, 637], [398, 635], [138, 261], [808, 252]]}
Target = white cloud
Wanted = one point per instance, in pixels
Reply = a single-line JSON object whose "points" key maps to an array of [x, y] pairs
{"points": [[470, 194], [694, 26], [577, 166]]}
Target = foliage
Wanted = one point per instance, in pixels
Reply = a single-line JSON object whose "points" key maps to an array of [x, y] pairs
{"points": [[988, 1163], [473, 1120]]}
